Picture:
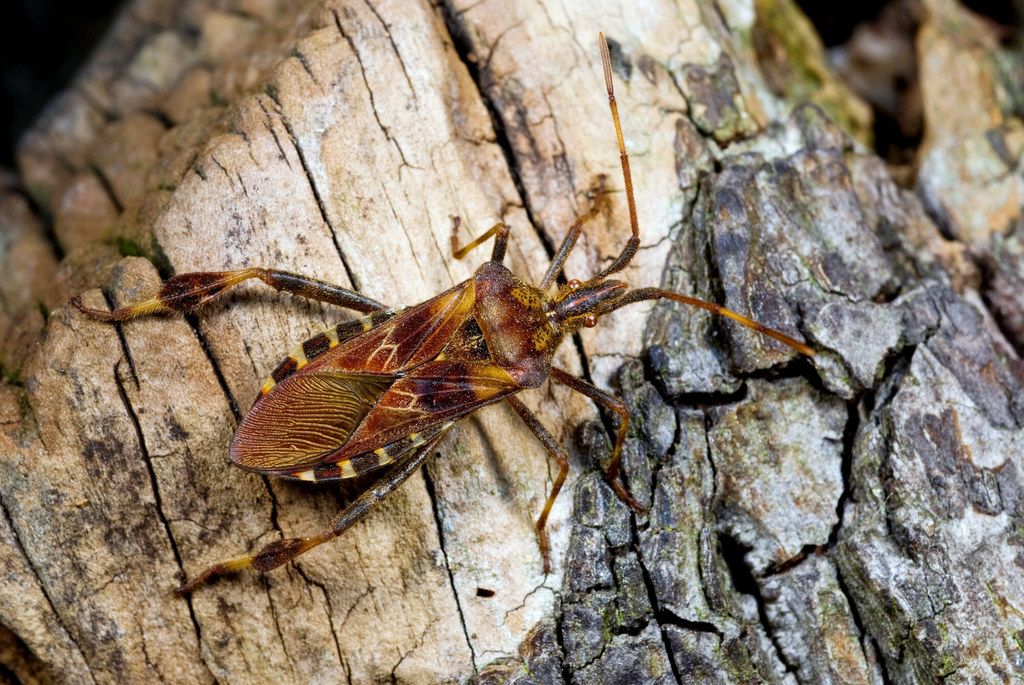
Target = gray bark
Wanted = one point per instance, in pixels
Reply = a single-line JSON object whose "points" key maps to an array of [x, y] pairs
{"points": [[848, 518]]}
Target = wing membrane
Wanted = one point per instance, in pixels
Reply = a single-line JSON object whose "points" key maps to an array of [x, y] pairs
{"points": [[435, 393], [361, 464], [304, 419]]}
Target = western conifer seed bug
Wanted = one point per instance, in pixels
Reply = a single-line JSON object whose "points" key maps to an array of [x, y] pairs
{"points": [[378, 393]]}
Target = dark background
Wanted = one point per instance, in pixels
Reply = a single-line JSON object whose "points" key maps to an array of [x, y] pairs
{"points": [[42, 43]]}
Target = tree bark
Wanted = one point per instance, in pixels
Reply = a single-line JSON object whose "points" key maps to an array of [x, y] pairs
{"points": [[848, 518]]}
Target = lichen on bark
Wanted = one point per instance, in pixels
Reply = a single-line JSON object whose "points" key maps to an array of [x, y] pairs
{"points": [[848, 518]]}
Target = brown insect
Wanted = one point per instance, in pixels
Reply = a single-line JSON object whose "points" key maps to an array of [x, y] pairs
{"points": [[382, 391]]}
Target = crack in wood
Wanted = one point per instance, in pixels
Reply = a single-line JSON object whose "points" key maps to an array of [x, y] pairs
{"points": [[435, 507], [154, 486]]}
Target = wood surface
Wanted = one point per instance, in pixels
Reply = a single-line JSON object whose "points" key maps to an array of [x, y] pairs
{"points": [[851, 518]]}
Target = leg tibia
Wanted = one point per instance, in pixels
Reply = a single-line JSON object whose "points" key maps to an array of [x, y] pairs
{"points": [[499, 231], [183, 293], [270, 557], [573, 234], [283, 551], [619, 407], [187, 292], [556, 453]]}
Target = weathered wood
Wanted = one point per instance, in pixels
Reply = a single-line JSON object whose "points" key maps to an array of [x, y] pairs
{"points": [[849, 518]]}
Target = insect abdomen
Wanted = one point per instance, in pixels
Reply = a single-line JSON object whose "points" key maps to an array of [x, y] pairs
{"points": [[322, 342], [368, 461]]}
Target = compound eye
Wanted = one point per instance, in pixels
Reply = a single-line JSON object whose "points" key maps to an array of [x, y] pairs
{"points": [[574, 284], [590, 320]]}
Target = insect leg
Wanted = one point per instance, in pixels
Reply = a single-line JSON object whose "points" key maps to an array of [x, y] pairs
{"points": [[616, 405], [556, 452], [569, 241], [499, 231], [187, 292], [282, 551]]}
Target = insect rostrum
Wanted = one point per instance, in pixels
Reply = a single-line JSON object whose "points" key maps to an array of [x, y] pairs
{"points": [[378, 393]]}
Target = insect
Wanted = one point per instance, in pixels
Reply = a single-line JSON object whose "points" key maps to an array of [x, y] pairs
{"points": [[377, 394]]}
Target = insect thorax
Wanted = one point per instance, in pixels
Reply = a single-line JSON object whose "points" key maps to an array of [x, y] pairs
{"points": [[516, 321]]}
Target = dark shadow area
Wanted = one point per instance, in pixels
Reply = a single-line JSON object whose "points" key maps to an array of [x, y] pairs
{"points": [[836, 21], [42, 43], [872, 46]]}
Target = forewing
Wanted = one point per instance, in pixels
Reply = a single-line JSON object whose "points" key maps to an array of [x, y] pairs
{"points": [[366, 462], [408, 340], [435, 393], [304, 419], [324, 342]]}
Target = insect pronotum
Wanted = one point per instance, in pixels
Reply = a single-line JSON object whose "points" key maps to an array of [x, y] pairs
{"points": [[378, 393]]}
